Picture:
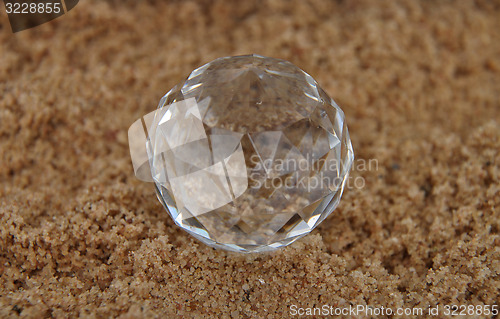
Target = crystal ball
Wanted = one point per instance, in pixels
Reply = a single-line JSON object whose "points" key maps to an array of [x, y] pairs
{"points": [[249, 153]]}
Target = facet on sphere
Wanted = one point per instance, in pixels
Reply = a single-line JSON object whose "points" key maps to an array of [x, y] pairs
{"points": [[249, 154]]}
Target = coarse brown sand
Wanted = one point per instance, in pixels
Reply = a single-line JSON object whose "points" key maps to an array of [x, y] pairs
{"points": [[419, 82]]}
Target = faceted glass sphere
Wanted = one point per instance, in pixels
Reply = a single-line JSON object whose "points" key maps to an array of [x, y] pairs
{"points": [[249, 154]]}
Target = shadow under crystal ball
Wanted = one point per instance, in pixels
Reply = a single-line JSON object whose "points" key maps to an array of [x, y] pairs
{"points": [[249, 153]]}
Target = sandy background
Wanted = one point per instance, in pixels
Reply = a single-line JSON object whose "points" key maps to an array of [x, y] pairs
{"points": [[418, 81]]}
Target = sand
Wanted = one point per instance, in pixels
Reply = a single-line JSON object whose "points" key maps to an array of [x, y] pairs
{"points": [[419, 83]]}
